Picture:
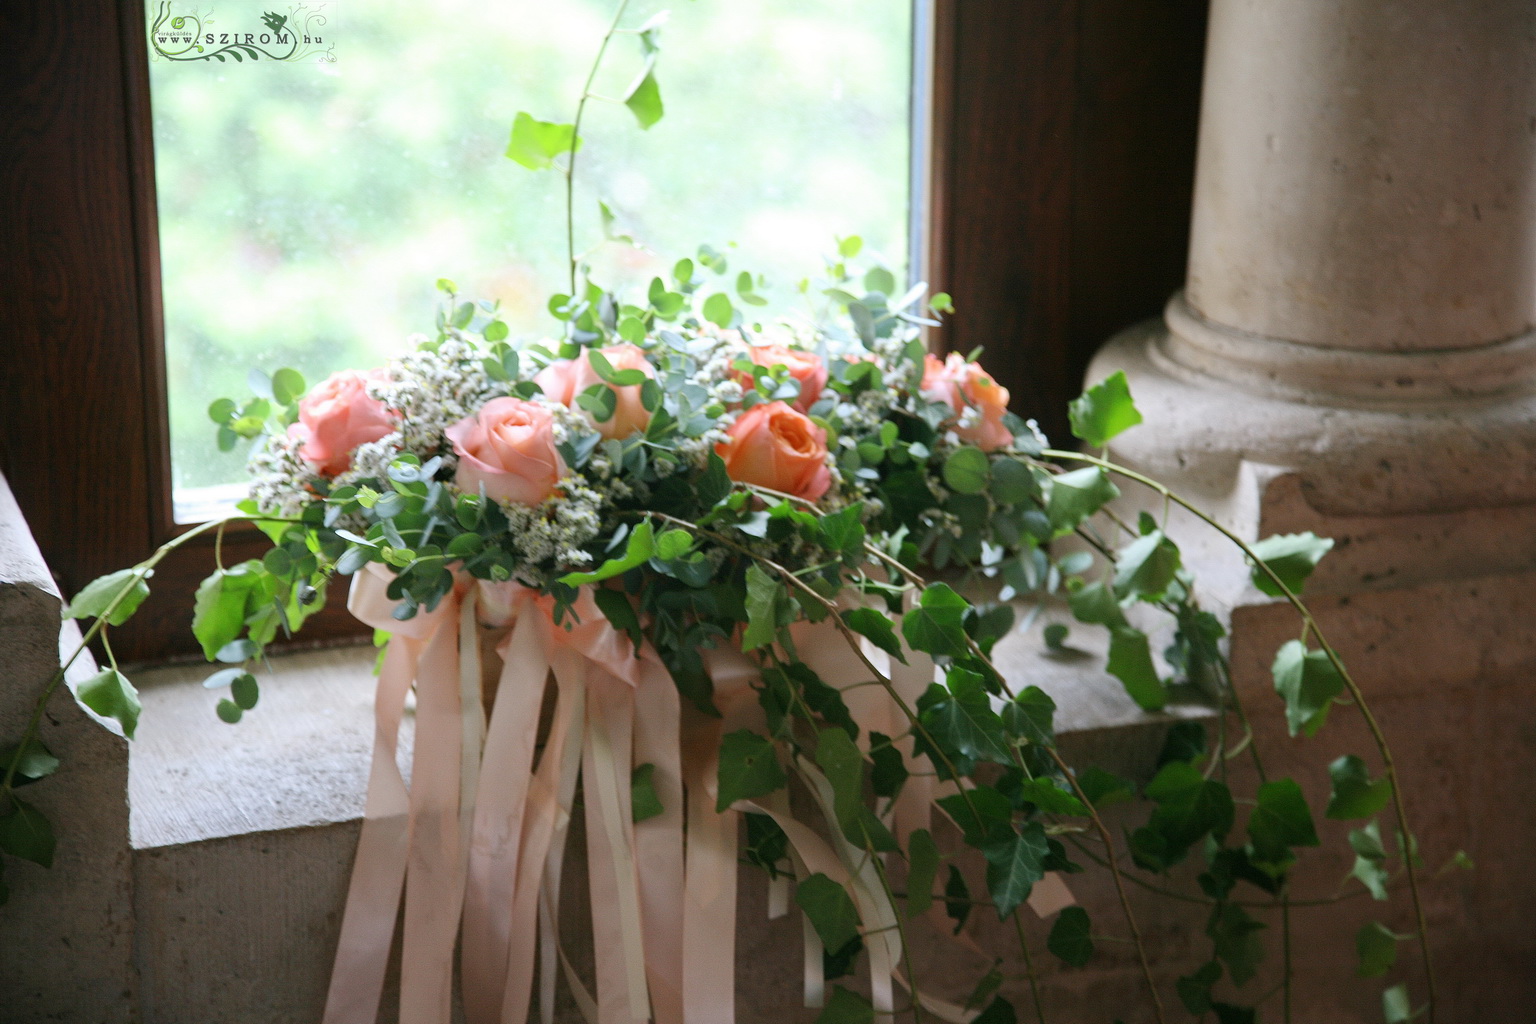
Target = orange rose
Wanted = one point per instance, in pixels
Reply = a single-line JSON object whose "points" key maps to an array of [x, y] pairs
{"points": [[566, 379], [805, 367], [509, 447], [966, 386], [774, 446], [336, 416]]}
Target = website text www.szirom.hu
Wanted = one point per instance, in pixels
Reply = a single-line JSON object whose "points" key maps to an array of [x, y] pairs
{"points": [[237, 38]]}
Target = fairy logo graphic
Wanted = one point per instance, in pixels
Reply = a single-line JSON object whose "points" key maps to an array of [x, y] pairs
{"points": [[302, 34]]}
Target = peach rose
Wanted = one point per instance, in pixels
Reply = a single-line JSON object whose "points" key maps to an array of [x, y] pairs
{"points": [[566, 379], [509, 447], [336, 416], [979, 402], [805, 367], [775, 446]]}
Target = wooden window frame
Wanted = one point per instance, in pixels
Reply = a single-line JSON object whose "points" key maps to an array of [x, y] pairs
{"points": [[1059, 168]]}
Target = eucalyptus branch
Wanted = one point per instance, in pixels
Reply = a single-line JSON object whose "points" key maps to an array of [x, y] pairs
{"points": [[1389, 767]]}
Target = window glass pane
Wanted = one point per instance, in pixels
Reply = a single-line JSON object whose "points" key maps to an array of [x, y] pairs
{"points": [[307, 209]]}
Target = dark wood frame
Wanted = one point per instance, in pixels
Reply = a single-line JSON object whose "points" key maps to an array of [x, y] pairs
{"points": [[1063, 154]]}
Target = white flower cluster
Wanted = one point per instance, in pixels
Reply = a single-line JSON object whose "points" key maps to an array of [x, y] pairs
{"points": [[556, 530], [433, 390], [279, 475]]}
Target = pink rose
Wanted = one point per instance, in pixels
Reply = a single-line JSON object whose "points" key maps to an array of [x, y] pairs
{"points": [[979, 402], [509, 447], [805, 367], [564, 380], [336, 416], [774, 446]]}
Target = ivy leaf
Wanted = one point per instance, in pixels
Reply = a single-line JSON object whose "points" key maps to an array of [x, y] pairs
{"points": [[889, 773], [35, 762], [220, 605], [1104, 410], [111, 695], [1146, 567], [978, 812], [839, 760], [1030, 717], [1104, 788], [999, 1011], [830, 910], [1280, 821], [1185, 742], [922, 866], [957, 898], [644, 99], [875, 628], [767, 602], [1195, 989], [98, 595], [616, 607], [1377, 947], [639, 548], [1235, 935], [1070, 939], [1014, 865], [1096, 605], [1308, 682], [1370, 860], [748, 769], [644, 802], [535, 144], [1292, 557], [1395, 1005], [1130, 661], [936, 625], [1045, 794], [1354, 794], [966, 470], [26, 833], [1073, 497], [846, 1007], [1189, 806], [963, 719]]}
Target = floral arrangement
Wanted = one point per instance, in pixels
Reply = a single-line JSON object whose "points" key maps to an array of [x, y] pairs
{"points": [[676, 556]]}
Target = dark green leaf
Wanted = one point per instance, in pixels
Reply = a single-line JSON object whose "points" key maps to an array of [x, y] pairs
{"points": [[644, 802], [1103, 788], [715, 484], [1012, 482], [966, 471], [535, 144], [1292, 557], [245, 691], [1236, 937], [845, 1007], [1055, 635], [839, 760], [1185, 742], [1146, 567], [26, 833], [1308, 683], [1377, 947], [1189, 807], [1014, 865], [99, 594], [1280, 821], [936, 625], [748, 768], [1354, 794], [1070, 939], [1049, 797], [35, 762], [922, 866], [1073, 497], [228, 711], [111, 695], [1229, 1014], [957, 898], [621, 614], [979, 811], [1096, 605], [830, 910], [1030, 717], [890, 770], [964, 720], [876, 628], [1195, 989], [769, 606], [1130, 661], [1103, 411], [999, 1011]]}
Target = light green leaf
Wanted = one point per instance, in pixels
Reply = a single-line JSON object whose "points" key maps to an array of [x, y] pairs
{"points": [[644, 802], [1103, 411], [26, 833], [1377, 947], [1073, 497], [1292, 557], [644, 99], [673, 544], [1130, 661], [99, 594], [287, 386], [966, 471], [220, 605], [1146, 567], [111, 695], [1096, 605], [830, 909], [922, 866], [845, 1007], [768, 607], [535, 144], [1049, 797], [718, 309], [748, 768], [1070, 938], [1308, 683], [876, 628], [1354, 794], [840, 761], [640, 546]]}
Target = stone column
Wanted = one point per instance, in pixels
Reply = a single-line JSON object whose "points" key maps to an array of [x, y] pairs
{"points": [[1353, 354]]}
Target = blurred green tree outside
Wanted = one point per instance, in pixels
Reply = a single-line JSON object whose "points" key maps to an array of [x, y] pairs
{"points": [[306, 210]]}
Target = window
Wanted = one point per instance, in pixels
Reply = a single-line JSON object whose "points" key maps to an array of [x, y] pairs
{"points": [[1062, 156]]}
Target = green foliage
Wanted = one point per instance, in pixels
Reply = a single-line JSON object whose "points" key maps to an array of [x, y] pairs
{"points": [[748, 768], [26, 833], [1195, 989], [966, 470], [1015, 862], [33, 760], [999, 1011], [1280, 821], [1354, 794], [1070, 939], [1235, 935], [1104, 410], [1377, 948], [644, 802], [1308, 683], [1189, 807], [116, 596], [644, 99], [535, 144], [830, 910], [937, 624], [1073, 497], [922, 866], [1290, 556], [111, 695], [1396, 1007], [845, 1007], [1146, 567], [1130, 661]]}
